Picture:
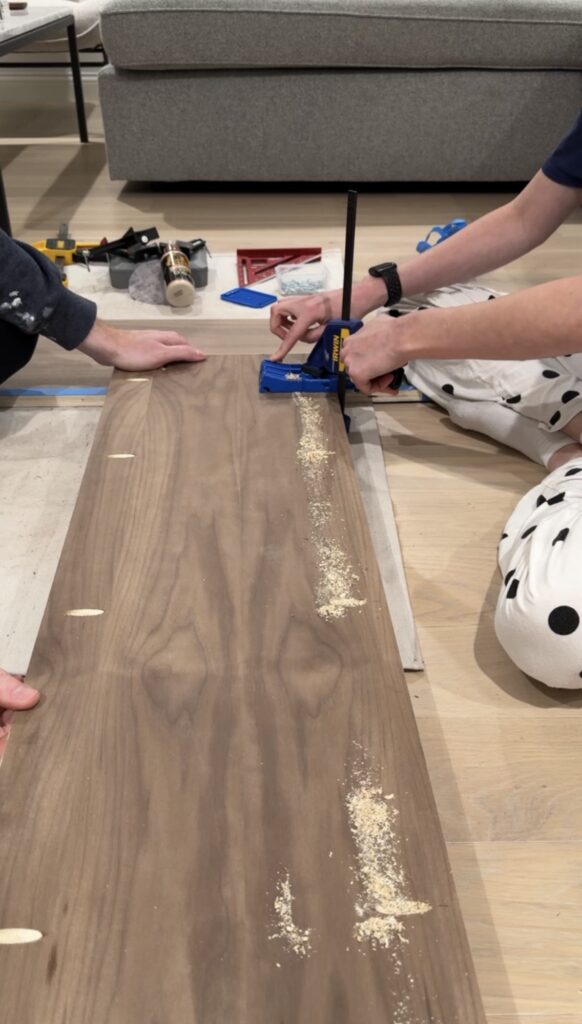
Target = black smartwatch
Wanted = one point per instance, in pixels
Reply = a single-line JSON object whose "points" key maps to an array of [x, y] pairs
{"points": [[391, 278]]}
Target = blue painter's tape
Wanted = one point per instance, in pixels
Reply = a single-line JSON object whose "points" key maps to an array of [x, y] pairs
{"points": [[50, 392]]}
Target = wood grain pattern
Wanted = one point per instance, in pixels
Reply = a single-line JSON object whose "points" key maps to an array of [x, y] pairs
{"points": [[196, 740], [533, 1018], [443, 481], [529, 908], [528, 793]]}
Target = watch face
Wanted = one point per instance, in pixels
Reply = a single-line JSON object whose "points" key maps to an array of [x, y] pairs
{"points": [[381, 268]]}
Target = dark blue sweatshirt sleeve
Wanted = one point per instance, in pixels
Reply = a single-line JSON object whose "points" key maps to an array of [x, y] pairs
{"points": [[564, 166], [33, 298]]}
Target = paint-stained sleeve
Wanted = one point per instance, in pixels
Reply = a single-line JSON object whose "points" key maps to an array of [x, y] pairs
{"points": [[33, 298]]}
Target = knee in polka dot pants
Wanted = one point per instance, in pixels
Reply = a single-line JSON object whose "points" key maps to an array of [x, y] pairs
{"points": [[525, 405], [538, 619]]}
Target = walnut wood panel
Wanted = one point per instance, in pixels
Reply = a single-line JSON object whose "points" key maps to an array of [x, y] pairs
{"points": [[195, 742]]}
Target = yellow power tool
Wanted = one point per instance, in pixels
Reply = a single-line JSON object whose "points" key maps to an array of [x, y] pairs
{"points": [[64, 250]]}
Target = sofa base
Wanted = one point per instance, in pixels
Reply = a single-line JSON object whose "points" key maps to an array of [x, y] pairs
{"points": [[334, 125]]}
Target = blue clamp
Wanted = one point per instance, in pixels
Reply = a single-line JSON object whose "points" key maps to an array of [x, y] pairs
{"points": [[442, 233], [319, 374]]}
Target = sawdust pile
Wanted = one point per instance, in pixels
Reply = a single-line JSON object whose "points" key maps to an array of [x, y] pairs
{"points": [[312, 450], [336, 577], [336, 582], [297, 940], [319, 513], [373, 820]]}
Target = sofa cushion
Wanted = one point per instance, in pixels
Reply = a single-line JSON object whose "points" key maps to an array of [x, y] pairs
{"points": [[196, 34]]}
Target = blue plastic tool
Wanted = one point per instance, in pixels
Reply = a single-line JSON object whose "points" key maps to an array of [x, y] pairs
{"points": [[320, 374], [442, 233], [248, 297], [324, 371]]}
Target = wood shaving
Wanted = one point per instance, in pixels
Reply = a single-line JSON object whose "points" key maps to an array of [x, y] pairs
{"points": [[296, 939], [320, 513], [373, 824], [402, 1014], [337, 580], [312, 450]]}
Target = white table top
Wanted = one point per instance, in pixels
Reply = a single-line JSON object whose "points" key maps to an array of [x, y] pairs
{"points": [[15, 23], [115, 305]]}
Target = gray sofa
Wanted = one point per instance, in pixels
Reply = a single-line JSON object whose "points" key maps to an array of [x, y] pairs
{"points": [[338, 90]]}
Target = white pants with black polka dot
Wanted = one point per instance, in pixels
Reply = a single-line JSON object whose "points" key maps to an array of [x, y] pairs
{"points": [[520, 403], [524, 405], [539, 610]]}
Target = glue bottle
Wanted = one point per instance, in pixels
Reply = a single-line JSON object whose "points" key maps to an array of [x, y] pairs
{"points": [[177, 276]]}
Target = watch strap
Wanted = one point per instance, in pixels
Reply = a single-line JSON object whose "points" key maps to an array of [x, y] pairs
{"points": [[391, 278]]}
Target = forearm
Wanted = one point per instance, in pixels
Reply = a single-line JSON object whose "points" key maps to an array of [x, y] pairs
{"points": [[33, 299], [492, 241], [539, 322]]}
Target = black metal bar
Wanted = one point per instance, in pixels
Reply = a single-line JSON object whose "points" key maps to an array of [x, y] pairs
{"points": [[4, 215], [66, 63], [75, 68], [349, 253], [347, 289]]}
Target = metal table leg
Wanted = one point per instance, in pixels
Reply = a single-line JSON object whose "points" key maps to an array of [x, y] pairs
{"points": [[76, 69], [4, 216]]}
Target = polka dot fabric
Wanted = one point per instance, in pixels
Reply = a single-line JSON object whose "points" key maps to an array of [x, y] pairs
{"points": [[524, 404], [538, 619]]}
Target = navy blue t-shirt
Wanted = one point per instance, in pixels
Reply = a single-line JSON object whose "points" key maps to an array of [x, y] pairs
{"points": [[564, 166]]}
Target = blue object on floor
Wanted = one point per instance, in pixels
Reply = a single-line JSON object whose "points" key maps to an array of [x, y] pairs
{"points": [[50, 391], [247, 297], [442, 232]]}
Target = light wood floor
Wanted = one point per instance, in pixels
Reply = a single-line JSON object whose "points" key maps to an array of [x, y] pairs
{"points": [[504, 754]]}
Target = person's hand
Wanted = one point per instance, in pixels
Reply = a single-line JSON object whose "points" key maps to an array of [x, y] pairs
{"points": [[15, 695], [302, 318], [137, 350], [373, 353]]}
